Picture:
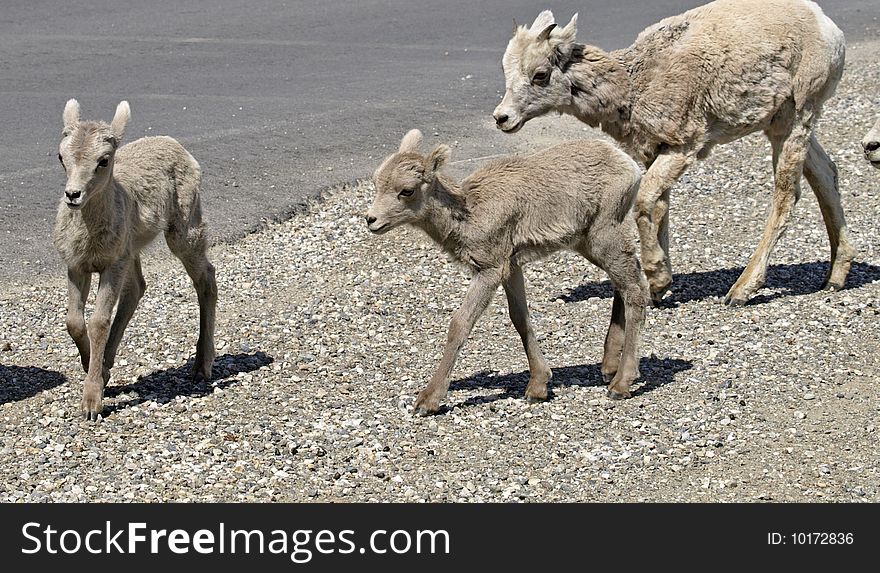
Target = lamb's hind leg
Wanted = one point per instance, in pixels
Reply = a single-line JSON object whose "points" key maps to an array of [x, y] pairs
{"points": [[789, 153], [821, 173], [612, 249], [614, 339], [539, 372], [131, 296], [191, 248]]}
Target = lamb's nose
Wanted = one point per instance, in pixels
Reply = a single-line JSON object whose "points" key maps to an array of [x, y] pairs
{"points": [[370, 219], [872, 146], [501, 119], [73, 195]]}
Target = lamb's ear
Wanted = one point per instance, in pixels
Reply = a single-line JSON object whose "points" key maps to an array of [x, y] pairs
{"points": [[543, 20], [71, 114], [439, 157], [410, 141], [120, 120]]}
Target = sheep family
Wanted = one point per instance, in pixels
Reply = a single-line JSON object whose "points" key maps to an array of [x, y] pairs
{"points": [[706, 77]]}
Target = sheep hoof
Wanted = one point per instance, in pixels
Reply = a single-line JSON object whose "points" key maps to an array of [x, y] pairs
{"points": [[615, 395], [733, 301], [535, 399], [91, 413], [423, 412], [832, 286]]}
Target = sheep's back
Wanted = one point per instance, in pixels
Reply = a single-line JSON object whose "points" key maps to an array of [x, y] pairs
{"points": [[548, 199]]}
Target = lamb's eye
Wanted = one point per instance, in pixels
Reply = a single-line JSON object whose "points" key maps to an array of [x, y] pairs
{"points": [[541, 77], [406, 192], [103, 162]]}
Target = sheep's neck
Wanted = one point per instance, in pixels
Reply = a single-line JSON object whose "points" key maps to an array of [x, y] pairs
{"points": [[445, 215], [601, 90], [99, 209]]}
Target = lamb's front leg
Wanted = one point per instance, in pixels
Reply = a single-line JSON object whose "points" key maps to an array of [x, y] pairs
{"points": [[539, 372], [479, 294], [78, 284], [109, 287]]}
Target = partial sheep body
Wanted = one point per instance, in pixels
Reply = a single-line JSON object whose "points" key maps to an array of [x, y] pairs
{"points": [[117, 200], [575, 195], [871, 145], [705, 77]]}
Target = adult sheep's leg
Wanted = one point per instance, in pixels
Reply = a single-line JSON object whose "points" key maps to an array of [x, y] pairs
{"points": [[77, 292], [190, 247], [479, 294], [128, 302], [109, 287], [789, 153], [539, 372], [652, 211], [821, 173]]}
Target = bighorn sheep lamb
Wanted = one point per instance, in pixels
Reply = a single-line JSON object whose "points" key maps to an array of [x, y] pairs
{"points": [[576, 195], [871, 145], [116, 201], [708, 76]]}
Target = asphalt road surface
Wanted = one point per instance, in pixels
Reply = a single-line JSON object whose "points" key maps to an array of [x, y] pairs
{"points": [[277, 100]]}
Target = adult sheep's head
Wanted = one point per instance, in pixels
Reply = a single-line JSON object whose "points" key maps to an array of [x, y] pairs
{"points": [[402, 183], [87, 151], [871, 145], [534, 71]]}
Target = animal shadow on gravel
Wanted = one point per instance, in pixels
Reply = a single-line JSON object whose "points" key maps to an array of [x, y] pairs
{"points": [[788, 280], [656, 372], [21, 382], [164, 386]]}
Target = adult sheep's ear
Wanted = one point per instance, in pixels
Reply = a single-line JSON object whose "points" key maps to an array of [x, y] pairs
{"points": [[563, 40], [411, 141], [120, 120], [71, 114], [439, 157], [568, 33]]}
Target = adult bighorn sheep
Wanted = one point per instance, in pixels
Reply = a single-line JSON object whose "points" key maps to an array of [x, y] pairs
{"points": [[116, 201], [708, 76], [576, 195], [871, 145]]}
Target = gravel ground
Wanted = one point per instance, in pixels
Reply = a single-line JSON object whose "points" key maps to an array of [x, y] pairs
{"points": [[325, 334]]}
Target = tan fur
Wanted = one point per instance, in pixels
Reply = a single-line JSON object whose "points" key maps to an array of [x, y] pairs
{"points": [[708, 76], [871, 145], [575, 195], [109, 214]]}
